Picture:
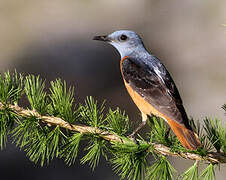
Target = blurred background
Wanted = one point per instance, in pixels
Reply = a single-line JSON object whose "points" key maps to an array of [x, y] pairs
{"points": [[53, 38]]}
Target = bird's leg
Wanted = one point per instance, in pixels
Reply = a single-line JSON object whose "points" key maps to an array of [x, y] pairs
{"points": [[144, 121]]}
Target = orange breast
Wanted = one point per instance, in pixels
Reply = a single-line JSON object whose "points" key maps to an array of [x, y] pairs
{"points": [[141, 103]]}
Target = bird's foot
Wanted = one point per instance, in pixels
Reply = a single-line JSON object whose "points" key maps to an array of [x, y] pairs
{"points": [[132, 137]]}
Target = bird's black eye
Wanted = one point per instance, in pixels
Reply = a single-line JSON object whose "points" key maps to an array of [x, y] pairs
{"points": [[123, 37]]}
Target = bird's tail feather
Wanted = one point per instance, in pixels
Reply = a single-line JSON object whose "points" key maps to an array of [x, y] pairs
{"points": [[188, 138]]}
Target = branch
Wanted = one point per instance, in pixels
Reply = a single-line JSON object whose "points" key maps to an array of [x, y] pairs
{"points": [[213, 157]]}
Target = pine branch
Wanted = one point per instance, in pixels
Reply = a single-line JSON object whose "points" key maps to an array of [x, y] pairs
{"points": [[212, 157], [51, 129]]}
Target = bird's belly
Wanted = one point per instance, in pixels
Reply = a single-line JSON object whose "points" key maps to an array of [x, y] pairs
{"points": [[141, 103]]}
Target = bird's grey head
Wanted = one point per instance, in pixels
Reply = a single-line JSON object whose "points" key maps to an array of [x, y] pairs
{"points": [[125, 41]]}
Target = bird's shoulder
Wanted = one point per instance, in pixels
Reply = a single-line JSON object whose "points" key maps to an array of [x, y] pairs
{"points": [[148, 73]]}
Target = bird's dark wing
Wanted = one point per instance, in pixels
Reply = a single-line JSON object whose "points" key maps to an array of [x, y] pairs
{"points": [[155, 85]]}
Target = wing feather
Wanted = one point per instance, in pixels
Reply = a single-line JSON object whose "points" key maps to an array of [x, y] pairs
{"points": [[155, 85]]}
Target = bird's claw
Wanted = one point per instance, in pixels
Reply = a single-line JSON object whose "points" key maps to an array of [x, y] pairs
{"points": [[132, 137]]}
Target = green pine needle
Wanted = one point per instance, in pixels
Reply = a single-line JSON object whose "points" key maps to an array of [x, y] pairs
{"points": [[7, 120], [92, 114], [159, 132], [40, 142], [130, 161], [214, 132], [34, 89], [70, 150], [33, 138], [55, 138], [130, 165], [195, 126], [3, 130], [22, 133], [191, 173], [45, 145], [95, 149], [62, 100], [11, 87], [37, 150], [224, 107], [118, 122], [206, 144], [208, 173], [223, 141], [161, 169]]}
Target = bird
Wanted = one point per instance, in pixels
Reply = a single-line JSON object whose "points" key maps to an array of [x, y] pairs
{"points": [[151, 86]]}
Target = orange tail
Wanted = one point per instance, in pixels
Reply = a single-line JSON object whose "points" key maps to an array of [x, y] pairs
{"points": [[188, 138]]}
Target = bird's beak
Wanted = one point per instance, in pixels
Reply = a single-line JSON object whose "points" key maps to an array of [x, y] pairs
{"points": [[101, 38]]}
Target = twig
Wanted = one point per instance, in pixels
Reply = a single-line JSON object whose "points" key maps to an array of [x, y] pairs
{"points": [[213, 157]]}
